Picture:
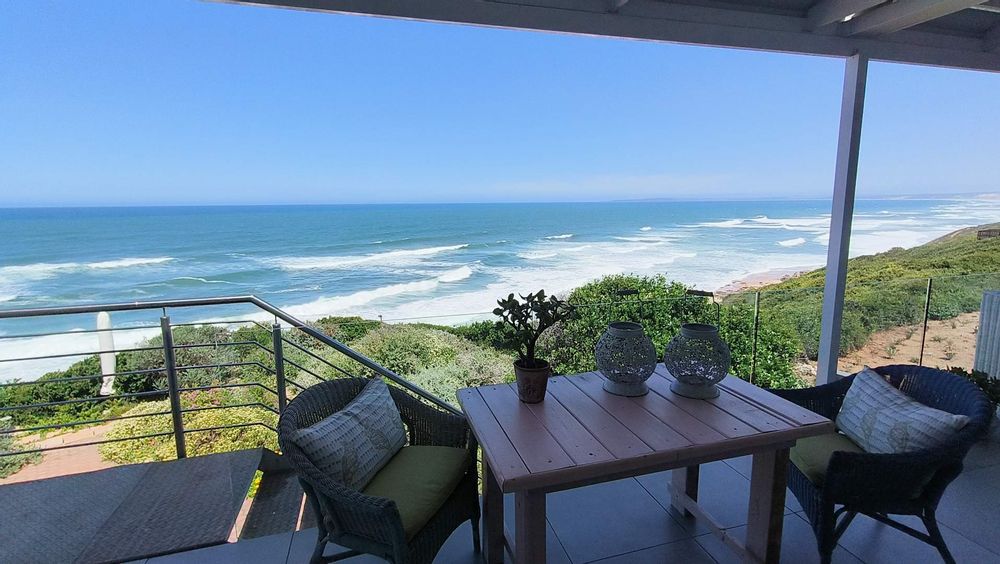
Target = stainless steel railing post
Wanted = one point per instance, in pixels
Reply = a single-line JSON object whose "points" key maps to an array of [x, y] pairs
{"points": [[170, 364], [927, 315], [756, 328], [279, 367]]}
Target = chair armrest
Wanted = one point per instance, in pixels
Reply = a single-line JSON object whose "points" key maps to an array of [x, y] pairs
{"points": [[429, 425], [823, 400], [874, 480], [354, 513]]}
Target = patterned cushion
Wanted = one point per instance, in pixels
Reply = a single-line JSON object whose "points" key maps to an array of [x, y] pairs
{"points": [[882, 419], [353, 444]]}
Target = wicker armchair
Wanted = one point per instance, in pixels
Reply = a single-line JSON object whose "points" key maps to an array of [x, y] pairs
{"points": [[879, 485], [369, 524]]}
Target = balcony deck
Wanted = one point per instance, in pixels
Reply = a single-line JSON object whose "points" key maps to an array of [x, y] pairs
{"points": [[631, 521]]}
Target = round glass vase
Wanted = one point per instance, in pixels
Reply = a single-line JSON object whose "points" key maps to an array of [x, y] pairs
{"points": [[626, 357], [698, 359]]}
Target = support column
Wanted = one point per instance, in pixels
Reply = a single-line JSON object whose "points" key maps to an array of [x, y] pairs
{"points": [[845, 181]]}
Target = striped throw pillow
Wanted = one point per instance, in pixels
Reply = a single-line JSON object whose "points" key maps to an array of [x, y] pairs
{"points": [[353, 444], [884, 420]]}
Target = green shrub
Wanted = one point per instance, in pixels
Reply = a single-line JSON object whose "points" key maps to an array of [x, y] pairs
{"points": [[492, 334], [345, 329], [777, 347], [194, 356], [44, 391], [659, 305], [197, 443], [10, 464], [436, 360]]}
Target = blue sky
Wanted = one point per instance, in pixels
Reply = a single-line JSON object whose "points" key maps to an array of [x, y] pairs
{"points": [[185, 102]]}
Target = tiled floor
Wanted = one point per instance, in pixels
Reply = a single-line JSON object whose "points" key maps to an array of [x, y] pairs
{"points": [[631, 520]]}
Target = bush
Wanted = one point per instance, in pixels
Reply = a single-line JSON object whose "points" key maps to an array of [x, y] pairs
{"points": [[345, 329], [195, 356], [492, 334], [12, 463], [659, 305], [777, 347], [431, 358], [47, 392], [197, 443]]}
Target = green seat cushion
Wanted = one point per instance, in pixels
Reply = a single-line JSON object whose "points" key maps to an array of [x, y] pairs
{"points": [[419, 479], [812, 455]]}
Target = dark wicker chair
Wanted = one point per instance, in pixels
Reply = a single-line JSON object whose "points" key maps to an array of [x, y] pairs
{"points": [[879, 485], [368, 524]]}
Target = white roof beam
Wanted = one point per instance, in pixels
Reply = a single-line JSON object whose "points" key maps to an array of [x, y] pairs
{"points": [[901, 15], [827, 12]]}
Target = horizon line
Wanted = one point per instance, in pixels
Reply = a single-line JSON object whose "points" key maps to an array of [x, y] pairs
{"points": [[980, 195]]}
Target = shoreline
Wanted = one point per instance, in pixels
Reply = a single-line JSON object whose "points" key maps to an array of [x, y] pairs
{"points": [[760, 279]]}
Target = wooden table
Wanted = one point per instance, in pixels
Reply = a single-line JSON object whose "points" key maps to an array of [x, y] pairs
{"points": [[583, 435]]}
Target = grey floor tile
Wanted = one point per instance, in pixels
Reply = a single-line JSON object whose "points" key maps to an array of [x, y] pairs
{"points": [[798, 545], [302, 546], [685, 550], [741, 464], [876, 543], [723, 492], [271, 549], [986, 452], [971, 504], [609, 519], [457, 549]]}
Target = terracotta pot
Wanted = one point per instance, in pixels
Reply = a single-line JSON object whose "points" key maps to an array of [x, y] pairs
{"points": [[531, 381]]}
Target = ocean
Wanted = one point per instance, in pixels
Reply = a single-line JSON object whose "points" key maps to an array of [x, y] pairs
{"points": [[443, 263]]}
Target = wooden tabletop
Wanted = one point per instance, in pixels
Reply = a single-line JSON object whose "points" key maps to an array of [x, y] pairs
{"points": [[582, 433]]}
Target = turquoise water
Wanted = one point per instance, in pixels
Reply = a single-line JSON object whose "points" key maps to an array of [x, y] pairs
{"points": [[407, 261]]}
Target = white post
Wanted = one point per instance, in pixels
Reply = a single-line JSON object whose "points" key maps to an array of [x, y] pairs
{"points": [[988, 340], [848, 146], [106, 344]]}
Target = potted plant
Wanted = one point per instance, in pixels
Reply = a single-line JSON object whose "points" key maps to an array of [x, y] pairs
{"points": [[529, 317]]}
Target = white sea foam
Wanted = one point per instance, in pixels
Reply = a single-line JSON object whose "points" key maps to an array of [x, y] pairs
{"points": [[205, 280], [563, 236], [351, 302], [41, 270], [128, 262], [389, 258], [792, 242]]}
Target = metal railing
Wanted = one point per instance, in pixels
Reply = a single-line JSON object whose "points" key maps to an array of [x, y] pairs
{"points": [[274, 391]]}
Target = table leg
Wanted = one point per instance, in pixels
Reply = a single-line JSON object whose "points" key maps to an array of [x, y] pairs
{"points": [[493, 543], [529, 527], [683, 481], [765, 518]]}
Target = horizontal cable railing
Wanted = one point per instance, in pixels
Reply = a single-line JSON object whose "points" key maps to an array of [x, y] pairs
{"points": [[256, 360]]}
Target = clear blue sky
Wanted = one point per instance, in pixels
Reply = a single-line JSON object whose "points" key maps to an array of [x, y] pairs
{"points": [[185, 102]]}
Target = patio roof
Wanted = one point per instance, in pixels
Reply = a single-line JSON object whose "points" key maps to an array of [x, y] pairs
{"points": [[950, 33]]}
